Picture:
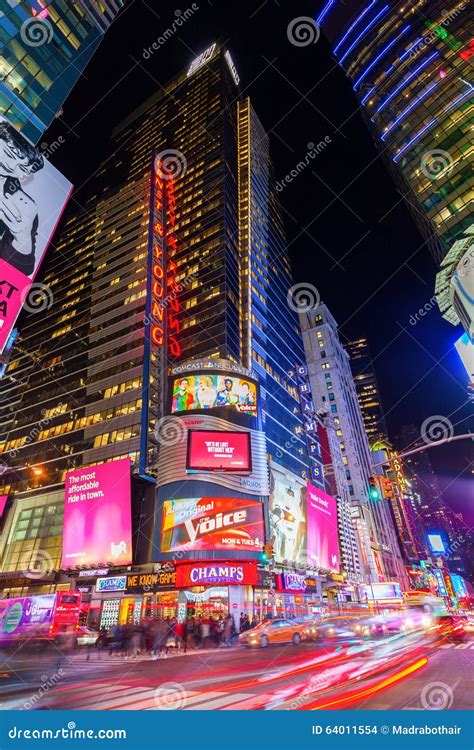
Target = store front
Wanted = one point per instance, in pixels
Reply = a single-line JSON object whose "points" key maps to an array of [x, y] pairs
{"points": [[296, 595]]}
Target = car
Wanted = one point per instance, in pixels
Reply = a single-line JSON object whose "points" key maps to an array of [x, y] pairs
{"points": [[337, 628], [86, 636], [451, 627], [277, 630]]}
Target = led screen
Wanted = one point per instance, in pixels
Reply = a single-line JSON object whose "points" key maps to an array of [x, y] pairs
{"points": [[97, 515], [210, 391], [287, 512], [212, 523], [218, 451], [323, 541]]}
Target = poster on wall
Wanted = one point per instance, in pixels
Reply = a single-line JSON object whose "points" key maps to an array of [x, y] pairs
{"points": [[287, 512], [323, 541], [212, 523], [97, 515], [33, 195], [218, 451], [209, 391]]}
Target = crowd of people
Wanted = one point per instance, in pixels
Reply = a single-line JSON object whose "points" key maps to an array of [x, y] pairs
{"points": [[157, 637]]}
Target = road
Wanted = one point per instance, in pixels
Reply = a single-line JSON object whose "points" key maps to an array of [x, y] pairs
{"points": [[397, 673]]}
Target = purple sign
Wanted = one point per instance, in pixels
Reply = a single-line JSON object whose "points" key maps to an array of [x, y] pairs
{"points": [[294, 582]]}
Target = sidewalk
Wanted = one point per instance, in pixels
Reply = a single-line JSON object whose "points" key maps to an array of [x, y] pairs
{"points": [[94, 656]]}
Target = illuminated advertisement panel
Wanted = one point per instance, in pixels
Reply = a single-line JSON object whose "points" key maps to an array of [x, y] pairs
{"points": [[287, 513], [437, 542], [459, 586], [212, 523], [211, 391], [199, 574], [33, 195], [442, 591], [218, 451], [97, 515], [323, 541], [381, 591], [3, 502]]}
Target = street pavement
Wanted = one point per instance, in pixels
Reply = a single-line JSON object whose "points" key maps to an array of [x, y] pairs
{"points": [[308, 676]]}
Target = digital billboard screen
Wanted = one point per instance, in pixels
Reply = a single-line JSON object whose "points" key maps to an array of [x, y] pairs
{"points": [[211, 391], [218, 451], [323, 540], [3, 502], [97, 515], [287, 513], [437, 543], [33, 195], [381, 591], [212, 523]]}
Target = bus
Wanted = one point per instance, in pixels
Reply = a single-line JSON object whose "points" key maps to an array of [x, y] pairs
{"points": [[38, 618]]}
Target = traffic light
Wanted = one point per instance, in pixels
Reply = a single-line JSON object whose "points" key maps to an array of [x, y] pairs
{"points": [[267, 553], [374, 492], [387, 488]]}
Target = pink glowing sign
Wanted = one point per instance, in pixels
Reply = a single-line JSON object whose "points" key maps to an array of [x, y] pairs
{"points": [[323, 542], [3, 502], [97, 516]]}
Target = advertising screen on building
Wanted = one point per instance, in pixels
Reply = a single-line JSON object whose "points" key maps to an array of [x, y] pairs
{"points": [[218, 451], [32, 197], [3, 502], [437, 543], [211, 391], [199, 574], [287, 510], [323, 541], [97, 515], [381, 592], [212, 523]]}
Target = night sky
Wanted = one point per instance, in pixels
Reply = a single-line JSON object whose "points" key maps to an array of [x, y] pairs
{"points": [[349, 233]]}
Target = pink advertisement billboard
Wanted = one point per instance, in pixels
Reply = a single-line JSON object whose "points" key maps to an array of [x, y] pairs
{"points": [[3, 502], [322, 536], [97, 515], [33, 195]]}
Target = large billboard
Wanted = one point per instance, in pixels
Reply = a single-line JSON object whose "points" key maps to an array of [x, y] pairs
{"points": [[218, 451], [211, 391], [32, 197], [323, 540], [97, 515], [287, 511], [212, 523]]}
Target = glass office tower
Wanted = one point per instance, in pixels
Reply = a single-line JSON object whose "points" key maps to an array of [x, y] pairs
{"points": [[409, 62], [368, 394], [46, 45], [73, 392]]}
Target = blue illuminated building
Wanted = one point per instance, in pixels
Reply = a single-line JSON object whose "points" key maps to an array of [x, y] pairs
{"points": [[410, 68]]}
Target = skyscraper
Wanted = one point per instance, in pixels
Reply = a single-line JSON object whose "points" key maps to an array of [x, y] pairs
{"points": [[169, 312], [367, 388], [45, 48], [409, 66]]}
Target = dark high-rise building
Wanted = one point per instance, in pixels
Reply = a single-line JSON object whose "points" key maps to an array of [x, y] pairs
{"points": [[46, 46], [169, 292], [409, 64], [368, 393]]}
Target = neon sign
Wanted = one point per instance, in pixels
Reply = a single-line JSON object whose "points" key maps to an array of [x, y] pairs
{"points": [[201, 60]]}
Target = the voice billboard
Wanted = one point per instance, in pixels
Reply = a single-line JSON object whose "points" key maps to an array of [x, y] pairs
{"points": [[212, 523], [97, 515], [33, 195]]}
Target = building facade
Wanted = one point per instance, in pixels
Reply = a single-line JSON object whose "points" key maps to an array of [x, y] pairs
{"points": [[409, 64], [169, 316], [367, 388], [46, 47]]}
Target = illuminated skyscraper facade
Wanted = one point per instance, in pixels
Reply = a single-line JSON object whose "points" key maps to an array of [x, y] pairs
{"points": [[365, 381], [46, 45], [409, 63]]}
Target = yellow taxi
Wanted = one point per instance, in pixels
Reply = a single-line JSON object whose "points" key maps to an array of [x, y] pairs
{"points": [[278, 630]]}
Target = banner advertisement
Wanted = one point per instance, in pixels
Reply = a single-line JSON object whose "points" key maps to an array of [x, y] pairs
{"points": [[3, 502], [97, 515], [222, 451], [210, 391], [212, 523], [287, 509], [33, 195], [17, 615], [323, 541]]}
